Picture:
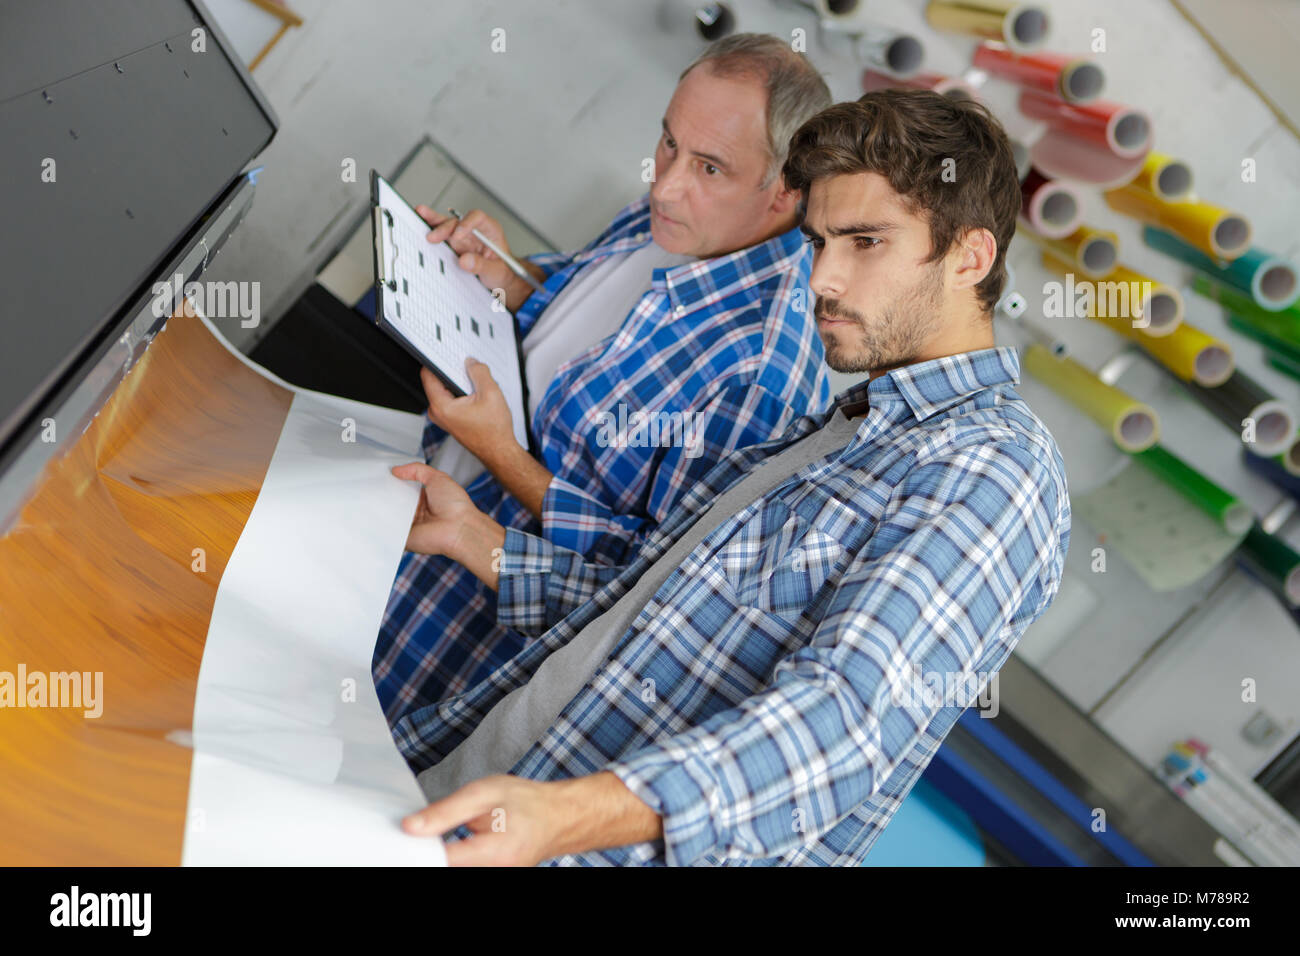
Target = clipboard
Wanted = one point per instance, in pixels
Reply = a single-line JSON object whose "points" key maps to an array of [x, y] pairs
{"points": [[437, 311]]}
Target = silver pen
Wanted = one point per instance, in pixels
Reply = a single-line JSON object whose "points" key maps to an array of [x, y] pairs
{"points": [[511, 263]]}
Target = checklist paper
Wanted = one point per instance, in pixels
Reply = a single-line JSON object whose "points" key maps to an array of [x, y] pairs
{"points": [[437, 310]]}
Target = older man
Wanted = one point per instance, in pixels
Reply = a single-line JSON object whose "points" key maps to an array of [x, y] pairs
{"points": [[681, 333]]}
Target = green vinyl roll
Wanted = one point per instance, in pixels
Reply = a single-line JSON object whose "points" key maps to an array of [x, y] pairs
{"points": [[1285, 364], [1282, 347], [1283, 324], [1205, 494], [1274, 561]]}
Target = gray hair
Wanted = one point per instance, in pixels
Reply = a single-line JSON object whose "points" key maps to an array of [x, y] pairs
{"points": [[796, 92]]}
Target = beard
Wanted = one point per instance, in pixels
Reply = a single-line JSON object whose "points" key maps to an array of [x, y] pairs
{"points": [[893, 338]]}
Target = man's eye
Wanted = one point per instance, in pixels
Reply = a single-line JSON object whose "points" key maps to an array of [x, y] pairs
{"points": [[668, 141], [710, 168], [865, 242]]}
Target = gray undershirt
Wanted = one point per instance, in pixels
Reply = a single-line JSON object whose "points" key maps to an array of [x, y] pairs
{"points": [[523, 716]]}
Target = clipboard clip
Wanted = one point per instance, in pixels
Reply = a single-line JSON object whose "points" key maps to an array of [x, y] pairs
{"points": [[387, 269]]}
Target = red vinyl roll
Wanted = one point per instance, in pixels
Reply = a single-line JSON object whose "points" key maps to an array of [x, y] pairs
{"points": [[1125, 130], [1074, 79]]}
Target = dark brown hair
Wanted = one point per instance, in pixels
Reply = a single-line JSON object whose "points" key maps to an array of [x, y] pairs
{"points": [[906, 136]]}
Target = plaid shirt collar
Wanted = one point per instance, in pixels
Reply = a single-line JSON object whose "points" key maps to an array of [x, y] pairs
{"points": [[697, 284], [928, 388]]}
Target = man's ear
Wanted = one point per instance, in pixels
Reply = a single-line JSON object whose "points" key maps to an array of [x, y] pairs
{"points": [[975, 252], [786, 199]]}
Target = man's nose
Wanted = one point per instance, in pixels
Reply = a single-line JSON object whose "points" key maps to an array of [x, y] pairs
{"points": [[829, 277], [669, 180]]}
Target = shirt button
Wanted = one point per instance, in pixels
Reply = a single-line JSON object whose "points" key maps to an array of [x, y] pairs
{"points": [[680, 310]]}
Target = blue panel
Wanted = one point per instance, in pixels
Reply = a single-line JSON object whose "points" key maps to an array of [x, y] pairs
{"points": [[928, 830], [1058, 793], [1023, 837]]}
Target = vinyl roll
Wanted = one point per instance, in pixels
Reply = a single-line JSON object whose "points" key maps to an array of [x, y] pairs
{"points": [[1215, 231], [1278, 323], [1188, 353], [1271, 467], [900, 53], [873, 80], [1098, 142], [833, 10], [1241, 398], [1274, 561], [1284, 364], [1221, 505], [1092, 252], [1132, 424], [705, 21], [1165, 177], [1161, 306], [1053, 208], [1124, 130], [1020, 26], [1191, 355], [1272, 283], [1072, 78], [1290, 459], [1283, 355]]}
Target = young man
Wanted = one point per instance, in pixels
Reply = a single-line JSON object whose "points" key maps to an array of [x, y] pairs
{"points": [[751, 689], [680, 334]]}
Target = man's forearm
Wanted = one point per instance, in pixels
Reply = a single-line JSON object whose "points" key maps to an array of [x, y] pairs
{"points": [[478, 545], [604, 813], [518, 291], [520, 474]]}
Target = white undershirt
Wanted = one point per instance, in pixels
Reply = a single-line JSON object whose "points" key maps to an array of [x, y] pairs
{"points": [[590, 307]]}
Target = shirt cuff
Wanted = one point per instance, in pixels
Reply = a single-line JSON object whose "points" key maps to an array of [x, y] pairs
{"points": [[550, 262], [526, 563], [684, 794], [571, 517]]}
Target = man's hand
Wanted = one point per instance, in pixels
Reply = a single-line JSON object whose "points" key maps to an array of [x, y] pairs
{"points": [[446, 522], [519, 822], [475, 257], [481, 420]]}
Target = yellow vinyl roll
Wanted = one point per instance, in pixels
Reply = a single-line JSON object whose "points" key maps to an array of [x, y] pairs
{"points": [[1078, 248], [1189, 353], [1148, 178], [1104, 305], [983, 18], [1192, 355], [1201, 224], [1132, 424]]}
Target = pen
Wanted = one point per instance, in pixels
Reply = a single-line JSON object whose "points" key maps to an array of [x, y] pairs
{"points": [[505, 257]]}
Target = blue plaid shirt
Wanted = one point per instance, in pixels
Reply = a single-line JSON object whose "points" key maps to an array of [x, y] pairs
{"points": [[784, 726], [729, 340]]}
